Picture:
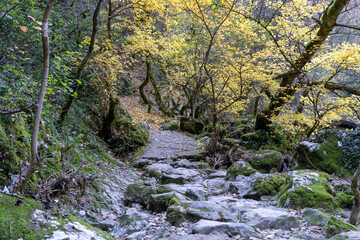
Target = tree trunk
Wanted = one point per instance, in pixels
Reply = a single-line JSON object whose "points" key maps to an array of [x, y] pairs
{"points": [[157, 93], [356, 206], [143, 85], [109, 119], [70, 99], [35, 161], [263, 119]]}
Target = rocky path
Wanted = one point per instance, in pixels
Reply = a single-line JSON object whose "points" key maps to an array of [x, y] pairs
{"points": [[179, 197], [170, 193]]}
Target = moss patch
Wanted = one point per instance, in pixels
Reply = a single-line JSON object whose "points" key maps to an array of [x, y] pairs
{"points": [[336, 226], [20, 218], [240, 168], [266, 186], [266, 160]]}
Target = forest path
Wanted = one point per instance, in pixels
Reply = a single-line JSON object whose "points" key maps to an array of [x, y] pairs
{"points": [[171, 145]]}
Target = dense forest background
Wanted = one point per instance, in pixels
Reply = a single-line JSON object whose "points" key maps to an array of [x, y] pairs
{"points": [[292, 66]]}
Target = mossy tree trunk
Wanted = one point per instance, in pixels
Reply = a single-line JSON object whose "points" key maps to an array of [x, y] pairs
{"points": [[157, 93], [109, 119], [145, 83], [356, 205], [286, 90], [35, 160]]}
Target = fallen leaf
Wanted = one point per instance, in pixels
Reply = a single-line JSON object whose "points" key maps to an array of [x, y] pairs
{"points": [[24, 29]]}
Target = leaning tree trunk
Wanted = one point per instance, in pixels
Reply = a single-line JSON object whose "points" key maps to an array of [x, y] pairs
{"points": [[35, 161], [286, 90], [356, 206], [70, 99]]}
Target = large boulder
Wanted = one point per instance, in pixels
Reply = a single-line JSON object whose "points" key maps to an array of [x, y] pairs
{"points": [[336, 226], [307, 189], [266, 160], [191, 125], [240, 168], [207, 226], [257, 185], [326, 154]]}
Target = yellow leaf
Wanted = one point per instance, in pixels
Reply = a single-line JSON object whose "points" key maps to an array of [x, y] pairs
{"points": [[31, 17], [24, 29], [26, 59], [37, 28], [40, 23]]}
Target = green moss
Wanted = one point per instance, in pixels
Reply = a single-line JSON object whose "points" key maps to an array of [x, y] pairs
{"points": [[174, 201], [329, 157], [160, 202], [20, 218], [251, 136], [267, 160], [311, 196], [240, 168], [345, 199], [267, 186], [175, 215], [139, 134], [139, 193], [336, 226]]}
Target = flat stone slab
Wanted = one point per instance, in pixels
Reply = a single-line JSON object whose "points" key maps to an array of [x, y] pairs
{"points": [[170, 144], [207, 226]]}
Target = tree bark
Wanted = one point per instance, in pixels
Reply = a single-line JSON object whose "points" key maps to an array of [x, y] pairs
{"points": [[35, 161], [263, 119], [356, 206], [70, 99], [109, 119], [143, 85]]}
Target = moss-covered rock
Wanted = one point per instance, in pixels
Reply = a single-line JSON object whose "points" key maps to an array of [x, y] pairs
{"points": [[344, 196], [176, 213], [266, 160], [265, 186], [191, 125], [160, 202], [240, 130], [307, 189], [327, 155], [139, 193], [251, 136], [139, 134], [18, 214], [315, 218], [170, 126], [336, 226], [240, 168]]}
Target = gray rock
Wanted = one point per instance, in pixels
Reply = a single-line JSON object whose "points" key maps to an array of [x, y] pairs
{"points": [[351, 235], [141, 163], [266, 160], [191, 125], [180, 176], [157, 169], [197, 237], [139, 193], [136, 235], [269, 218], [127, 224], [206, 227], [314, 217], [193, 191], [168, 144], [218, 174], [216, 186], [240, 168]]}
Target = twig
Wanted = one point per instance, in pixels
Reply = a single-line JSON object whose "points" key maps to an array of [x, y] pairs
{"points": [[10, 229], [12, 195], [9, 112], [310, 161]]}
